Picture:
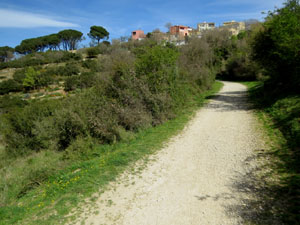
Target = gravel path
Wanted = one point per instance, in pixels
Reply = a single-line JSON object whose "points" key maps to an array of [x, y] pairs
{"points": [[195, 178]]}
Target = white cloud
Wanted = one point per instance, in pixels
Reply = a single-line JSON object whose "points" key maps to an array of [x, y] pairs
{"points": [[19, 19]]}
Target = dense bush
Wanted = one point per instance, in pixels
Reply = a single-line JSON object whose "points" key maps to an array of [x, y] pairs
{"points": [[92, 65], [68, 70], [71, 83], [69, 56], [84, 80], [135, 90], [44, 78], [196, 62], [87, 80], [8, 103], [93, 52], [276, 47], [240, 68], [9, 86], [19, 75], [234, 55], [20, 132]]}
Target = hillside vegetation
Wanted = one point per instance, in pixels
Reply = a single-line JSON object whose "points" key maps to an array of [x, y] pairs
{"points": [[108, 95]]}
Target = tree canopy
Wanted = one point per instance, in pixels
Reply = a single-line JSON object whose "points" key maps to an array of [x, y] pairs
{"points": [[6, 53], [30, 45], [70, 38], [276, 47], [97, 33]]}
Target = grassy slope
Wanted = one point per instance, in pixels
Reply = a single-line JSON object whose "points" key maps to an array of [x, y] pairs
{"points": [[281, 119], [51, 201]]}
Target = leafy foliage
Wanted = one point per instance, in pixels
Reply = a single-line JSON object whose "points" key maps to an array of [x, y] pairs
{"points": [[276, 46], [145, 83], [9, 86], [68, 70], [97, 33], [70, 38], [31, 45], [30, 78], [93, 52], [6, 53]]}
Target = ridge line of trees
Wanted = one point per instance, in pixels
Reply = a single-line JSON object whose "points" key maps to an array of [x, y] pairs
{"points": [[66, 39]]}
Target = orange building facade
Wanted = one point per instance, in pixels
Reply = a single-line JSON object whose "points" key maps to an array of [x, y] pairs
{"points": [[137, 35], [180, 30]]}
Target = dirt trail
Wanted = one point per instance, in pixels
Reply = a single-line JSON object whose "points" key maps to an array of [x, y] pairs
{"points": [[195, 178]]}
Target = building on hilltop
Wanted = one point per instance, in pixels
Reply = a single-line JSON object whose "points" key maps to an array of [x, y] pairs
{"points": [[205, 26], [137, 35], [234, 27], [180, 31]]}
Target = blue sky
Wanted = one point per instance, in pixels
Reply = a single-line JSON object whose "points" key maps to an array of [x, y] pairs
{"points": [[21, 19]]}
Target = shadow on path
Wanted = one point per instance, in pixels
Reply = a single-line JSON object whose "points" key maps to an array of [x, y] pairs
{"points": [[229, 101], [262, 205], [259, 203]]}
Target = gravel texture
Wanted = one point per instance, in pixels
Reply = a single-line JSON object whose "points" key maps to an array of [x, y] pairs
{"points": [[195, 179]]}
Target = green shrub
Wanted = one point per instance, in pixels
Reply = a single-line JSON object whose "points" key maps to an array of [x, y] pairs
{"points": [[70, 122], [68, 56], [8, 103], [104, 48], [276, 46], [86, 80], [158, 64], [241, 68], [71, 83], [69, 69], [30, 79], [107, 43], [44, 78], [93, 52], [19, 75], [80, 148], [146, 84], [9, 86], [19, 133], [93, 65]]}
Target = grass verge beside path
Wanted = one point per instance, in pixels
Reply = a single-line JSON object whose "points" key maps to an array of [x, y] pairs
{"points": [[53, 200], [280, 192]]}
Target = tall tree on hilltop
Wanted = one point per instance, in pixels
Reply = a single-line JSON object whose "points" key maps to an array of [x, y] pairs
{"points": [[52, 41], [70, 38], [97, 33]]}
